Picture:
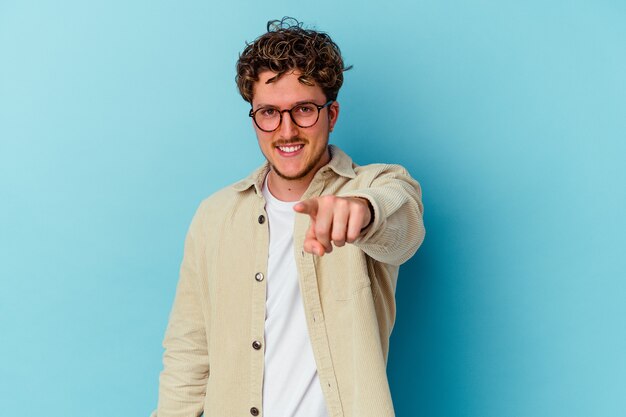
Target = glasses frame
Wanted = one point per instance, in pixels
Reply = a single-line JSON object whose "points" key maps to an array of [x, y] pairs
{"points": [[280, 120]]}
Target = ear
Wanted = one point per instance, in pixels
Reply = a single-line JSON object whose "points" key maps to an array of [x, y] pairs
{"points": [[333, 114]]}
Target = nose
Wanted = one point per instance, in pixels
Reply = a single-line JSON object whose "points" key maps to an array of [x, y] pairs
{"points": [[288, 129]]}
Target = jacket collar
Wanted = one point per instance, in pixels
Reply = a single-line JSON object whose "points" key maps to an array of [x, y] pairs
{"points": [[339, 162]]}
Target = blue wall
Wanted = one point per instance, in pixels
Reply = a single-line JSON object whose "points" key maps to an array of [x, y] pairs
{"points": [[117, 118]]}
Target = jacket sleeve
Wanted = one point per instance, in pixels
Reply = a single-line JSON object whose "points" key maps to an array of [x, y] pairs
{"points": [[397, 230], [183, 381]]}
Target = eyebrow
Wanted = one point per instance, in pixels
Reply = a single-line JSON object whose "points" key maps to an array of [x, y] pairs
{"points": [[261, 105]]}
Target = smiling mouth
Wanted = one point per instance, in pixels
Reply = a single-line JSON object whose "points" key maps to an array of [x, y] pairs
{"points": [[290, 148]]}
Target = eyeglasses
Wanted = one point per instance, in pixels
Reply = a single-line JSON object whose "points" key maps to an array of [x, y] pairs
{"points": [[268, 119]]}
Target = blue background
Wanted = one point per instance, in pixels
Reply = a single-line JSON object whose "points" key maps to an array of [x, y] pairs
{"points": [[117, 118]]}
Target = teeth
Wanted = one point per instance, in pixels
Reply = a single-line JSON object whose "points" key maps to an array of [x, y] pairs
{"points": [[289, 149]]}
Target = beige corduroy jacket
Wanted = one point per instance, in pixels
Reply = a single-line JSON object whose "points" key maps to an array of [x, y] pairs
{"points": [[213, 360]]}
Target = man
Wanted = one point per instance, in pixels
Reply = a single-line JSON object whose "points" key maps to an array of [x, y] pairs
{"points": [[285, 301]]}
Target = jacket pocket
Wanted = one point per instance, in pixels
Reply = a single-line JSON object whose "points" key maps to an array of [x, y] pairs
{"points": [[347, 270]]}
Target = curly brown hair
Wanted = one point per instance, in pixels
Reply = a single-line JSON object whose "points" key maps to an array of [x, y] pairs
{"points": [[286, 47]]}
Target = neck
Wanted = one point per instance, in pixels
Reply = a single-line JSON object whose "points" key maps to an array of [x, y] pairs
{"points": [[287, 190]]}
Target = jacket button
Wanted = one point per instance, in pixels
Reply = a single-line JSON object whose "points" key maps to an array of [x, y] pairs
{"points": [[261, 219], [254, 411], [256, 344], [259, 276]]}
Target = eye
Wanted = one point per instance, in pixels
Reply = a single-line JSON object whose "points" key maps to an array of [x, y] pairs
{"points": [[267, 112], [306, 109]]}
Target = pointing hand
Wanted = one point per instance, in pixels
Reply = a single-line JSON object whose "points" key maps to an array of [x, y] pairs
{"points": [[333, 220]]}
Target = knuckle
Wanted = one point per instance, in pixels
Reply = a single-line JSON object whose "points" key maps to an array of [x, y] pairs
{"points": [[360, 209], [341, 202], [321, 232], [327, 200]]}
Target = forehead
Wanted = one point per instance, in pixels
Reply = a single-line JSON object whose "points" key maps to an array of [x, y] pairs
{"points": [[284, 91]]}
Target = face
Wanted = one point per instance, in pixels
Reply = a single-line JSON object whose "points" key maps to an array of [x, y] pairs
{"points": [[293, 152]]}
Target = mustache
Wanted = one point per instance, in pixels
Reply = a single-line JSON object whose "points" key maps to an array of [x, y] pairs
{"points": [[291, 142]]}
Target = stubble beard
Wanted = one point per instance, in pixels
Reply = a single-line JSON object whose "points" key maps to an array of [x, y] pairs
{"points": [[307, 169]]}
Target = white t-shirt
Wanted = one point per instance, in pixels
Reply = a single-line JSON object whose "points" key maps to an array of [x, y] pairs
{"points": [[291, 386]]}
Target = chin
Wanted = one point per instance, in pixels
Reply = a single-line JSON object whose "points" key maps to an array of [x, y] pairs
{"points": [[290, 175]]}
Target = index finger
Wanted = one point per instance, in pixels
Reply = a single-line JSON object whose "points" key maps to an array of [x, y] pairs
{"points": [[309, 207]]}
